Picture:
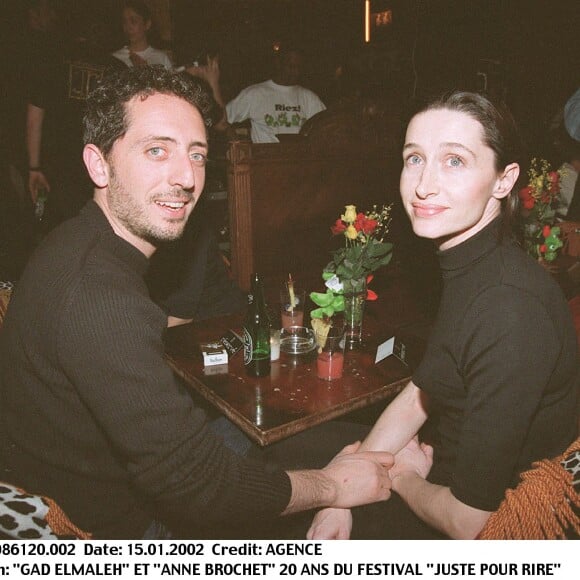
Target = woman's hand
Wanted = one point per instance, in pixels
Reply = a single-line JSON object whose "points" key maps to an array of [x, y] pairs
{"points": [[415, 457], [331, 524]]}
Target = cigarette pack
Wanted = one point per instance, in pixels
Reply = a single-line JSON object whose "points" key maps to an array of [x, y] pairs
{"points": [[214, 353]]}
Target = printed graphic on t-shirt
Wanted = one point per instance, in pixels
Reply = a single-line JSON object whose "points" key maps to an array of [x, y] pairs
{"points": [[82, 79], [285, 116]]}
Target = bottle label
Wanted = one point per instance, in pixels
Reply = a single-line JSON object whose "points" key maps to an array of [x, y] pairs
{"points": [[248, 347]]}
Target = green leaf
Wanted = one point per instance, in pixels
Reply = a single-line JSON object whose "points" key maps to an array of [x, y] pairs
{"points": [[328, 311], [317, 313], [322, 299], [338, 303]]}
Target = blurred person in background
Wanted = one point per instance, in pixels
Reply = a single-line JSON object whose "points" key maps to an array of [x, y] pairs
{"points": [[56, 101], [279, 105], [137, 22]]}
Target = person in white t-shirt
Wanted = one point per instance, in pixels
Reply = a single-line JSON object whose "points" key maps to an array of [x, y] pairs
{"points": [[136, 18], [276, 106]]}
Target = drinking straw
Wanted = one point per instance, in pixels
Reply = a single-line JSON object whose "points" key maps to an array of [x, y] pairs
{"points": [[291, 292]]}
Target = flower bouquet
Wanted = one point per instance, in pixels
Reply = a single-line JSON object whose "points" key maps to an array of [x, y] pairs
{"points": [[350, 270], [539, 200]]}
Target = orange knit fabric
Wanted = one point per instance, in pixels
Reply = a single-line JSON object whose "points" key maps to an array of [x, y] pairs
{"points": [[60, 524], [4, 299], [541, 507]]}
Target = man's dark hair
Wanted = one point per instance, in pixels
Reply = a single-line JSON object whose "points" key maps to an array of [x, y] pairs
{"points": [[106, 118]]}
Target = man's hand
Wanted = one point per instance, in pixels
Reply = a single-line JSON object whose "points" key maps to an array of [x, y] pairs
{"points": [[414, 457], [36, 183], [209, 72], [331, 524], [349, 480], [360, 477]]}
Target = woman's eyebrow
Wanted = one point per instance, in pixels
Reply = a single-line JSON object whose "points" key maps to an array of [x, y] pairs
{"points": [[453, 145]]}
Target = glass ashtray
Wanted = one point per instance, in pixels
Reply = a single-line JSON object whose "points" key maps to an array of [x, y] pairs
{"points": [[297, 340]]}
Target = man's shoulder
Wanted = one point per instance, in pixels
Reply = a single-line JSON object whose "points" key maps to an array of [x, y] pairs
{"points": [[258, 87]]}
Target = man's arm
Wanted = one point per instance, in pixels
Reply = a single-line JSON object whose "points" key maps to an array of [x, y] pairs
{"points": [[352, 478], [36, 178], [210, 72]]}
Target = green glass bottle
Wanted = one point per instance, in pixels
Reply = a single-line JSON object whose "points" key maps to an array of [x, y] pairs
{"points": [[257, 332]]}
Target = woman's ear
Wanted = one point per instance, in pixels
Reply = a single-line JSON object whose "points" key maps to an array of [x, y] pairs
{"points": [[506, 181], [96, 164]]}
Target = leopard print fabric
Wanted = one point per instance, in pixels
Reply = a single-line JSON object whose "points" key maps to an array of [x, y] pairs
{"points": [[23, 515], [571, 463]]}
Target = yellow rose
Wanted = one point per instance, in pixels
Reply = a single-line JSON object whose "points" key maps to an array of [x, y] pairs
{"points": [[351, 232], [349, 216]]}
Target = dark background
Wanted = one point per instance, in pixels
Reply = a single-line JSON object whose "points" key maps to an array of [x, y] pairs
{"points": [[529, 50]]}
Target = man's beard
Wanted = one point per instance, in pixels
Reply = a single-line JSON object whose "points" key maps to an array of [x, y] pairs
{"points": [[133, 215]]}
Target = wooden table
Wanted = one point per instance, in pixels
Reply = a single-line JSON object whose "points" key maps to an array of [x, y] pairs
{"points": [[292, 398]]}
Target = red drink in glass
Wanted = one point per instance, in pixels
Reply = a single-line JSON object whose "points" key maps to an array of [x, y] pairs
{"points": [[330, 365]]}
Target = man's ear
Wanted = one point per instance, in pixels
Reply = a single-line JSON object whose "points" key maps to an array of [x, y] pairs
{"points": [[96, 164], [506, 181]]}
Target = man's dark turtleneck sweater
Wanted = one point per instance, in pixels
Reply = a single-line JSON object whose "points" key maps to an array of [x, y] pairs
{"points": [[91, 414]]}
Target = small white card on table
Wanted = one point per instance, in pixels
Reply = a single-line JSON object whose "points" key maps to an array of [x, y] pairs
{"points": [[389, 347]]}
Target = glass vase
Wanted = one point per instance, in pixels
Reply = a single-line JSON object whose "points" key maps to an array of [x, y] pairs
{"points": [[355, 295]]}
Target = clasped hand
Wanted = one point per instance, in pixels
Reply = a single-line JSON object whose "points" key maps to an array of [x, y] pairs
{"points": [[360, 478], [336, 524]]}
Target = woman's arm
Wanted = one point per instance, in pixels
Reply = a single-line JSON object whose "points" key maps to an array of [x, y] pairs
{"points": [[437, 506], [398, 424]]}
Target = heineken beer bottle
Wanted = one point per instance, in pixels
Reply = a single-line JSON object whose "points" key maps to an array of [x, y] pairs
{"points": [[257, 332]]}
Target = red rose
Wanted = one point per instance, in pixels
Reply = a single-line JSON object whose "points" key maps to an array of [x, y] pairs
{"points": [[365, 225], [546, 231], [369, 226], [525, 193], [359, 221], [543, 249], [529, 203], [338, 227]]}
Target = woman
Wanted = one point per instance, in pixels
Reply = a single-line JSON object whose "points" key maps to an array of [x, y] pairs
{"points": [[499, 373], [136, 18]]}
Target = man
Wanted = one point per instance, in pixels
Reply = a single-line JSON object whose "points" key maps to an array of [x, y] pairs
{"points": [[91, 414], [22, 43], [60, 82], [276, 106]]}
